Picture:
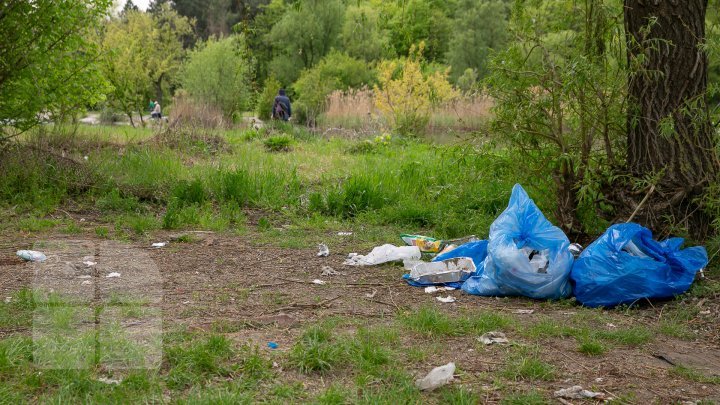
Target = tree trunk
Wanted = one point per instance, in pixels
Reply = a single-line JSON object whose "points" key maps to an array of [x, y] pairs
{"points": [[669, 130]]}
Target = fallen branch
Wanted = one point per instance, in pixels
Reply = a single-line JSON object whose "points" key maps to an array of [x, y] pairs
{"points": [[644, 200]]}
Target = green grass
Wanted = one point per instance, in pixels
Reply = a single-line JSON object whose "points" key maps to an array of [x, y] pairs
{"points": [[592, 348], [430, 321], [694, 375]]}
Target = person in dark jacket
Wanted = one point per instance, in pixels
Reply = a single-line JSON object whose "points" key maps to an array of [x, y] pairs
{"points": [[282, 110]]}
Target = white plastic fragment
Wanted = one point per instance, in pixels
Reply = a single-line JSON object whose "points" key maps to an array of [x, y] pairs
{"points": [[577, 392], [323, 250], [84, 276], [159, 245], [31, 255], [113, 275], [384, 254], [88, 263], [345, 233], [492, 338], [329, 271], [372, 294], [433, 289], [436, 378], [523, 311], [449, 299], [319, 282], [86, 282]]}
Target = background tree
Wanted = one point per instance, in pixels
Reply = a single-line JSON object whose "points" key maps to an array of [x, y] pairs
{"points": [[670, 136], [413, 21], [361, 34], [143, 53], [478, 28], [306, 33], [218, 72], [47, 63]]}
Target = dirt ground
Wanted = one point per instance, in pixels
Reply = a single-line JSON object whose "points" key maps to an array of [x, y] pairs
{"points": [[263, 294]]}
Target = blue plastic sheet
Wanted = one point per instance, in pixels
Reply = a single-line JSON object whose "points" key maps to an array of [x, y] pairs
{"points": [[507, 271], [477, 251], [626, 265]]}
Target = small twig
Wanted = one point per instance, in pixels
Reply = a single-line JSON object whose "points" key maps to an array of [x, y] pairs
{"points": [[307, 306], [575, 361], [644, 200]]}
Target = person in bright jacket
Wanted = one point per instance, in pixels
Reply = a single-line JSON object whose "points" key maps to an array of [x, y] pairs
{"points": [[282, 109]]}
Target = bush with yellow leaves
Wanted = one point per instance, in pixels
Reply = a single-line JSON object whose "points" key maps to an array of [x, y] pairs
{"points": [[406, 96]]}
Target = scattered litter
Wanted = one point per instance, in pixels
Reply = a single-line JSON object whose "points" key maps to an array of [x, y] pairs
{"points": [[273, 345], [447, 271], [599, 380], [86, 282], [275, 364], [384, 254], [323, 250], [329, 271], [186, 303], [8, 300], [425, 243], [433, 289], [626, 265], [84, 276], [449, 299], [319, 282], [345, 233], [611, 325], [524, 311], [493, 337], [436, 378], [109, 381], [705, 312], [526, 255], [577, 392], [89, 263], [576, 249], [159, 245], [372, 294], [702, 274], [85, 157], [31, 256], [82, 219], [113, 275]]}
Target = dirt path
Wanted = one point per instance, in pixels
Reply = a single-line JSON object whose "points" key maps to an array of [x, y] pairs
{"points": [[257, 295]]}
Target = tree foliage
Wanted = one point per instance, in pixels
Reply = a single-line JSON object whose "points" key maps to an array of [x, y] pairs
{"points": [[308, 30], [47, 63], [142, 56], [218, 73], [559, 90], [479, 27]]}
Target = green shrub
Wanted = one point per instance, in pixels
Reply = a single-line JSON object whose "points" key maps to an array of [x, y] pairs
{"points": [[278, 143], [217, 72]]}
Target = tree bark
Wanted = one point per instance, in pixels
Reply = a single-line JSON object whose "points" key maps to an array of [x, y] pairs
{"points": [[670, 135]]}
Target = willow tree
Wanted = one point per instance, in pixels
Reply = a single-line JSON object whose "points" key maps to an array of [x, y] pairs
{"points": [[670, 143]]}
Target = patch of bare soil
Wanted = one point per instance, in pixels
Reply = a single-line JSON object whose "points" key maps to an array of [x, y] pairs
{"points": [[257, 295]]}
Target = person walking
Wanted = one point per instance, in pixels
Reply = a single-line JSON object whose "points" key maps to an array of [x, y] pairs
{"points": [[157, 111], [282, 108]]}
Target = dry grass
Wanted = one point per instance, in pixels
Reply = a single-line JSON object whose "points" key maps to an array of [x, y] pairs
{"points": [[188, 112], [355, 110]]}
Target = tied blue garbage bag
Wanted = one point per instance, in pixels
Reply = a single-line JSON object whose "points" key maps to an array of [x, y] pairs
{"points": [[626, 265], [527, 255]]}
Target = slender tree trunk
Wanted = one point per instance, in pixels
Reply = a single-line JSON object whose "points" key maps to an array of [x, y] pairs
{"points": [[669, 130]]}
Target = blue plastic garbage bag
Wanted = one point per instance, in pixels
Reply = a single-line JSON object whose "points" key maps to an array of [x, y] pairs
{"points": [[519, 234], [477, 251], [626, 264]]}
